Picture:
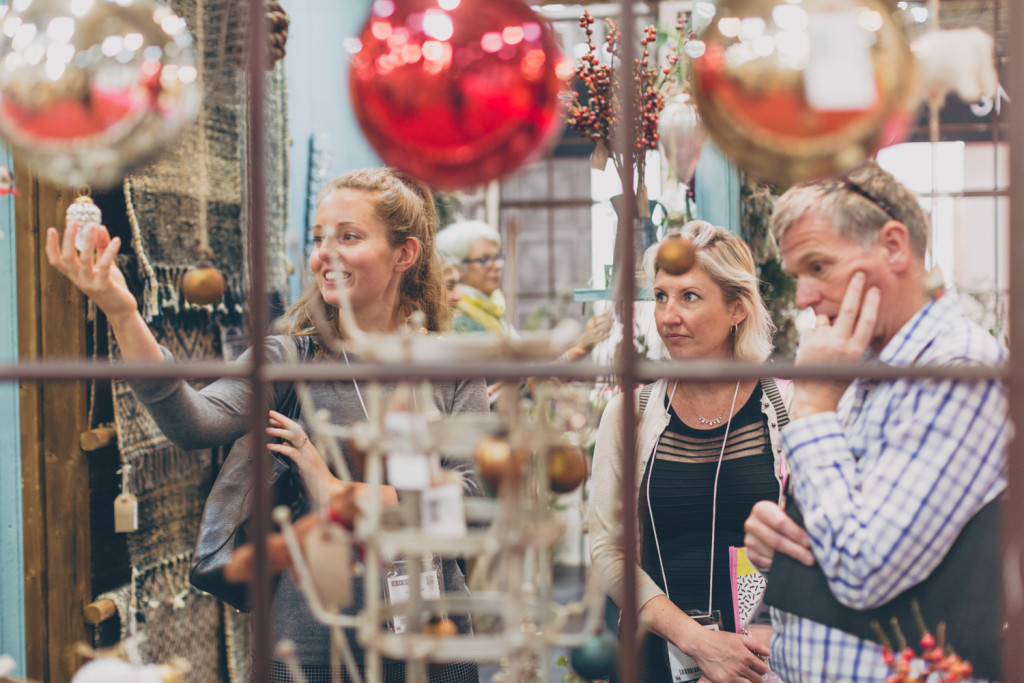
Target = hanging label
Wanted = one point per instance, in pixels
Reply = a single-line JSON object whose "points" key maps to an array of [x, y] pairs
{"points": [[328, 550], [839, 75], [684, 668], [126, 513], [408, 471], [396, 583], [442, 511]]}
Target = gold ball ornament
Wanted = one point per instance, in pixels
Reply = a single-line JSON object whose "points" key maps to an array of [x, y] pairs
{"points": [[676, 255], [794, 91], [203, 285], [498, 461], [441, 626], [567, 468]]}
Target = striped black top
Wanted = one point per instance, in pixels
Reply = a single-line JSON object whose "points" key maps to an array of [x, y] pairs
{"points": [[682, 476]]}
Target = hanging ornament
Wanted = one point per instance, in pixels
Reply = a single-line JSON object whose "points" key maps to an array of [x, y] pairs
{"points": [[7, 181], [498, 461], [567, 467], [595, 659], [461, 94], [796, 91], [86, 214], [676, 255], [681, 136], [203, 284], [90, 91], [111, 670]]}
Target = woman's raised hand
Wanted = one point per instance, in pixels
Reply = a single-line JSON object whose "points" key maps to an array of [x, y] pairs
{"points": [[93, 270]]}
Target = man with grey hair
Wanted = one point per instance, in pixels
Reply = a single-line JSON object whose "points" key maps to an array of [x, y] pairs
{"points": [[884, 473]]}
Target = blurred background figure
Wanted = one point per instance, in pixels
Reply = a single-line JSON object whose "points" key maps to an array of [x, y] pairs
{"points": [[453, 292], [475, 247]]}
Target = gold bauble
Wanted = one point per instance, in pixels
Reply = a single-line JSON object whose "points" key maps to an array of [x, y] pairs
{"points": [[793, 91], [203, 285], [567, 468], [676, 255]]}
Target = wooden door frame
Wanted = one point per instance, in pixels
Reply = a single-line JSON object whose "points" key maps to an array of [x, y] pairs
{"points": [[55, 471]]}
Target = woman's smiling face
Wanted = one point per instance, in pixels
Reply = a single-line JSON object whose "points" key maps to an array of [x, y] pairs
{"points": [[366, 261]]}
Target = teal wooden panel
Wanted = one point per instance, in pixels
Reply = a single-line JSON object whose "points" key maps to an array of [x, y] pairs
{"points": [[717, 189], [12, 561], [316, 69]]}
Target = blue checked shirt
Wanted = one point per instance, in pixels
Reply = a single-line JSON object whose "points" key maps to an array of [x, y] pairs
{"points": [[886, 483]]}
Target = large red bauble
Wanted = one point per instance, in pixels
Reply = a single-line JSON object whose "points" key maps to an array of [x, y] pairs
{"points": [[798, 91], [457, 93]]}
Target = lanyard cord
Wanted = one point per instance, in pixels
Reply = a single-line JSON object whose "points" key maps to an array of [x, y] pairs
{"points": [[714, 500], [359, 394]]}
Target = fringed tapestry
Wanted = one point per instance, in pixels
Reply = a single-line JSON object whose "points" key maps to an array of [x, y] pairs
{"points": [[154, 460]]}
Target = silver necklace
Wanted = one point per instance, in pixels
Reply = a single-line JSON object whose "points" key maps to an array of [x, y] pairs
{"points": [[717, 420], [710, 423]]}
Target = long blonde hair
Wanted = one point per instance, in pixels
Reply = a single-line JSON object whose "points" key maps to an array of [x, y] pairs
{"points": [[406, 207]]}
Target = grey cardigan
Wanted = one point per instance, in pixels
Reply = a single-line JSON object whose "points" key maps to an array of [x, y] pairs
{"points": [[605, 519]]}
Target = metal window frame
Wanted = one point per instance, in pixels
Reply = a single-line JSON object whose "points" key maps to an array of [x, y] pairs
{"points": [[628, 367]]}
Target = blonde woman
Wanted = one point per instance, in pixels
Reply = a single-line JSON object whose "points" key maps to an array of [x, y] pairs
{"points": [[706, 453]]}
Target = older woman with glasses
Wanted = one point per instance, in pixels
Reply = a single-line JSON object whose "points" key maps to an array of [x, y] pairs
{"points": [[476, 246]]}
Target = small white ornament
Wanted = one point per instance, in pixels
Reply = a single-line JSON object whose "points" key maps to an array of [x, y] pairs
{"points": [[88, 216]]}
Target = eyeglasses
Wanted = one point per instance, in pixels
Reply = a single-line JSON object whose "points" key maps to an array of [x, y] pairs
{"points": [[857, 189], [487, 261]]}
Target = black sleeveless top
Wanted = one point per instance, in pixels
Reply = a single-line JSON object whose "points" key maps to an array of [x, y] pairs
{"points": [[680, 481]]}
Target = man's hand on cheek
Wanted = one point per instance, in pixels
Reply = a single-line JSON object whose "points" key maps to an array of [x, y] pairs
{"points": [[843, 340]]}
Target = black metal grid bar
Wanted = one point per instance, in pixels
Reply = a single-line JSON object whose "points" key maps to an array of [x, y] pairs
{"points": [[1013, 530], [644, 371], [262, 633]]}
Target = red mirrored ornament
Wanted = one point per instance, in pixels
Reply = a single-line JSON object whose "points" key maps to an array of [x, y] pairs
{"points": [[796, 91], [457, 93]]}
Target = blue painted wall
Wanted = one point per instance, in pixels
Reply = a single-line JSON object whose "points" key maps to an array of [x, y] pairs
{"points": [[717, 189], [12, 574], [318, 102]]}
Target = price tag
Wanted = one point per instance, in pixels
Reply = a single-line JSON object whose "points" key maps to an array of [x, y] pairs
{"points": [[408, 471], [396, 581], [442, 511], [839, 75], [126, 513], [328, 551]]}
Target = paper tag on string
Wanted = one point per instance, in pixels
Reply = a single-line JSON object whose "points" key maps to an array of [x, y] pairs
{"points": [[442, 511], [839, 75], [126, 513], [328, 550], [408, 471]]}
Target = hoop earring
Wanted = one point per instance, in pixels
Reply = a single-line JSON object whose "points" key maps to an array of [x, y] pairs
{"points": [[735, 327]]}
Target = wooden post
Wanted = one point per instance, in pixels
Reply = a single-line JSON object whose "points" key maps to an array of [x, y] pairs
{"points": [[55, 472], [97, 612], [95, 439]]}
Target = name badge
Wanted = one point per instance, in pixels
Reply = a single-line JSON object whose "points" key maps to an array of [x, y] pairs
{"points": [[396, 583], [683, 667]]}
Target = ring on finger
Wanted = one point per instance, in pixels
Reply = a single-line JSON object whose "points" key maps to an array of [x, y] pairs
{"points": [[298, 446]]}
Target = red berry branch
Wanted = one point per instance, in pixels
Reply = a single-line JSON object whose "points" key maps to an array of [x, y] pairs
{"points": [[595, 112], [935, 661]]}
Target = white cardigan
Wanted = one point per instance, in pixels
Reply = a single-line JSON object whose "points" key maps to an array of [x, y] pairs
{"points": [[605, 520]]}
